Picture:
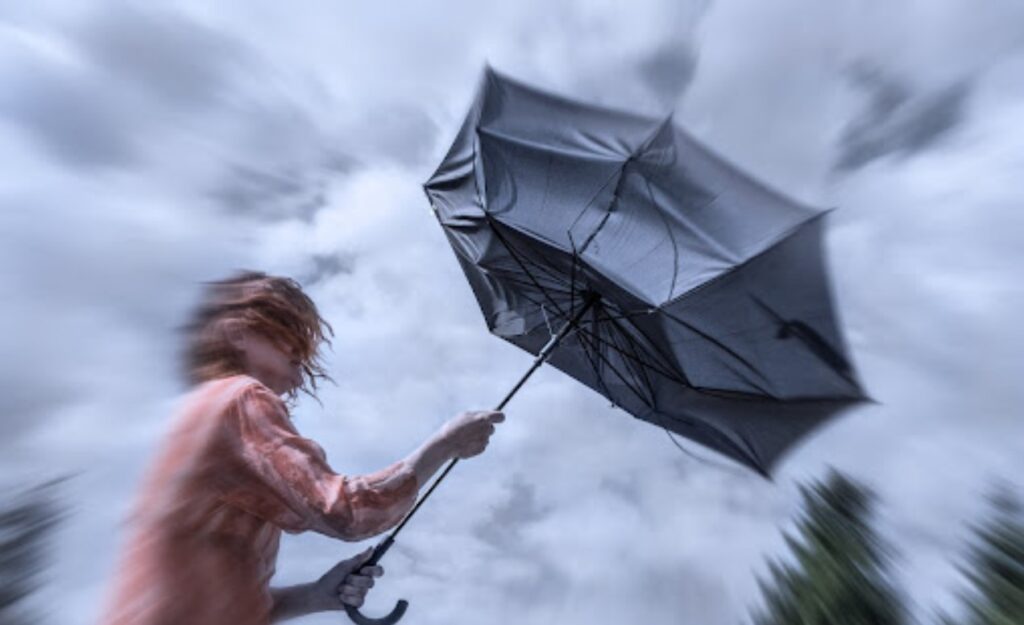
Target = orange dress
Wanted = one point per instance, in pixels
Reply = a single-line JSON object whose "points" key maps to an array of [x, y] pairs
{"points": [[234, 473]]}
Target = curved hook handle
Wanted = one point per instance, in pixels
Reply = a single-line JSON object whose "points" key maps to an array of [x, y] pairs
{"points": [[399, 610], [360, 619]]}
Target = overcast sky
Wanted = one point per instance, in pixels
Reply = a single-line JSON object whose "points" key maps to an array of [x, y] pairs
{"points": [[146, 149]]}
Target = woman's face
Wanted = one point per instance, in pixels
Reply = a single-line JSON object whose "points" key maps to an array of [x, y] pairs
{"points": [[268, 362]]}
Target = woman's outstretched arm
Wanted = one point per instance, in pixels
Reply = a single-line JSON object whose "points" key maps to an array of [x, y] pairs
{"points": [[281, 477], [464, 436]]}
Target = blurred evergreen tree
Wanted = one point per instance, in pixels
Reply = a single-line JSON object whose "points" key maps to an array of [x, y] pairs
{"points": [[837, 574], [26, 521], [995, 569]]}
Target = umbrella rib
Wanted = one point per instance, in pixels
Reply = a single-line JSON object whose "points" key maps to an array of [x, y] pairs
{"points": [[538, 303], [752, 329], [630, 315], [659, 368], [607, 214], [627, 361], [671, 236], [722, 346], [622, 176], [705, 461], [547, 271], [667, 374], [632, 361], [682, 377], [516, 258], [572, 280], [535, 302], [724, 440], [607, 391], [555, 275], [607, 363], [636, 349], [744, 451], [616, 172], [514, 279], [596, 366]]}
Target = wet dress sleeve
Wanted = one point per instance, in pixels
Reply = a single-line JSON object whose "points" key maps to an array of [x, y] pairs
{"points": [[277, 475]]}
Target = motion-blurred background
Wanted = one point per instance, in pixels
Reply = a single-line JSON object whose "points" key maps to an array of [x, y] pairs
{"points": [[145, 148]]}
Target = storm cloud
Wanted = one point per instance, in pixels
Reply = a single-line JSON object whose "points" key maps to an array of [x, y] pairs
{"points": [[897, 120], [148, 149]]}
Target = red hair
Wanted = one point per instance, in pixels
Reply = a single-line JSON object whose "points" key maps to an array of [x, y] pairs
{"points": [[272, 306]]}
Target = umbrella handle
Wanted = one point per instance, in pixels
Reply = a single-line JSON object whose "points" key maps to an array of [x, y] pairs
{"points": [[393, 617], [397, 612]]}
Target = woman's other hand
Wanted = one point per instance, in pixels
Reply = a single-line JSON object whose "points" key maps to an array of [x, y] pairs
{"points": [[347, 582]]}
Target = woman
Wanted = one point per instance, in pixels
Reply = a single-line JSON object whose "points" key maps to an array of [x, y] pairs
{"points": [[234, 473]]}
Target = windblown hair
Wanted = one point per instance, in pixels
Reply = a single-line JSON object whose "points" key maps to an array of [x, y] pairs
{"points": [[274, 307]]}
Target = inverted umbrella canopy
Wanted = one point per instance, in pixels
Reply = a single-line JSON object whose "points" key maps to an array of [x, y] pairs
{"points": [[629, 256], [708, 304]]}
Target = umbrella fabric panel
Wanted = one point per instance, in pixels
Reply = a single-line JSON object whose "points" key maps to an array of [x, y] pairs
{"points": [[552, 195], [755, 432], [681, 216], [752, 431], [741, 214], [513, 109], [648, 239], [767, 328], [511, 301]]}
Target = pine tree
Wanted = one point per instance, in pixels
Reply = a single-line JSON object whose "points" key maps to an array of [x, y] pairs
{"points": [[838, 570], [26, 521], [995, 567]]}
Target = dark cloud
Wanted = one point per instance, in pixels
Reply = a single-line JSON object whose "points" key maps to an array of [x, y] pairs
{"points": [[133, 68], [140, 73], [269, 194], [71, 114], [546, 581], [623, 487], [897, 120], [281, 161], [544, 585], [667, 71], [285, 161], [885, 93], [503, 526], [275, 191], [175, 59], [326, 266]]}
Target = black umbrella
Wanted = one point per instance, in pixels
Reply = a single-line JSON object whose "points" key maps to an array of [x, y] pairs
{"points": [[684, 291]]}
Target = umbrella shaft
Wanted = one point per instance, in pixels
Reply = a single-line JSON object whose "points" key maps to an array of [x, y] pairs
{"points": [[542, 356]]}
